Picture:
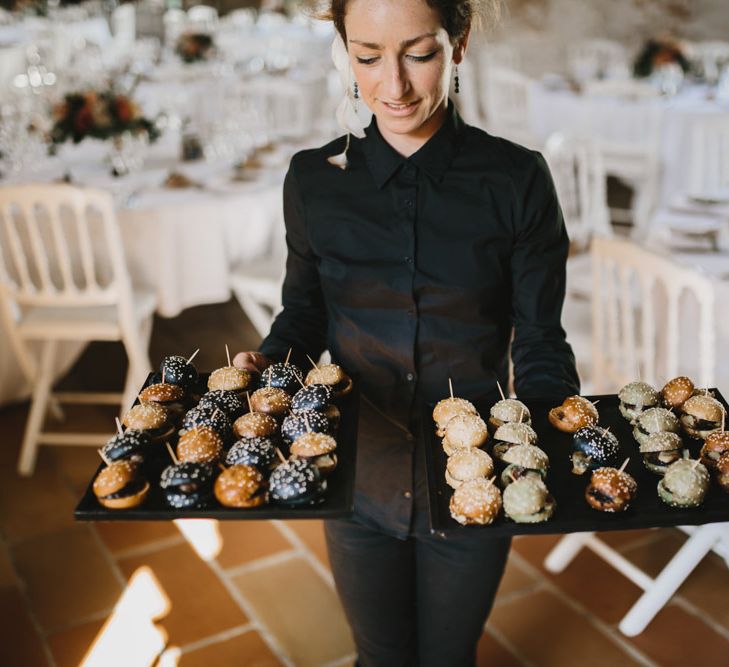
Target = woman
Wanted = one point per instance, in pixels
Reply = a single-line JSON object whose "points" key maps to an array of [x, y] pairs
{"points": [[413, 265]]}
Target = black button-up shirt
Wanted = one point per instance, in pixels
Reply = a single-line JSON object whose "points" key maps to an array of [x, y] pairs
{"points": [[414, 270]]}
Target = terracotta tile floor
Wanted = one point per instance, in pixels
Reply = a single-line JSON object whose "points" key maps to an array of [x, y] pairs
{"points": [[65, 587]]}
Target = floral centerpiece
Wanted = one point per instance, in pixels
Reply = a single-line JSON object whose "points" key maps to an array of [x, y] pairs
{"points": [[101, 115], [193, 47], [658, 52]]}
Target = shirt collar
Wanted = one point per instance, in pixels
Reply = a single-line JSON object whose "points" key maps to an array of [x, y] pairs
{"points": [[434, 157]]}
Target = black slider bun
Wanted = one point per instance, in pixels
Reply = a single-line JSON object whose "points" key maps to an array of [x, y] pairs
{"points": [[685, 484], [654, 420], [298, 423], [176, 370], [332, 376], [208, 415], [702, 415], [660, 450], [610, 490], [119, 486], [297, 482], [130, 444], [253, 451], [227, 401], [284, 376], [312, 397], [636, 397], [594, 447], [187, 485]]}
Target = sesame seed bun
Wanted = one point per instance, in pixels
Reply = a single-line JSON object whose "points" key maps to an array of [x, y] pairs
{"points": [[313, 444], [574, 413], [162, 393], [716, 444], [229, 378], [702, 415], [111, 482], [331, 375], [448, 408], [508, 410], [240, 486], [476, 502], [610, 490], [465, 430], [677, 391], [253, 424], [271, 401], [527, 500], [685, 484], [201, 444], [468, 464]]}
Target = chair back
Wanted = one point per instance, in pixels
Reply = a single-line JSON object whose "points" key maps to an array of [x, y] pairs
{"points": [[709, 158], [652, 318], [203, 17], [124, 24], [60, 246], [506, 102], [579, 177], [597, 59]]}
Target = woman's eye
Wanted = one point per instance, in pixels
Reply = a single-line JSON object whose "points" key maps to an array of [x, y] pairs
{"points": [[422, 59], [366, 61]]}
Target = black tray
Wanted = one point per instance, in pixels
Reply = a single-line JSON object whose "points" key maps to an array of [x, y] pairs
{"points": [[573, 514], [338, 498]]}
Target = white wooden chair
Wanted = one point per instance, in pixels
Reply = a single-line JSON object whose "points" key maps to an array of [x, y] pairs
{"points": [[63, 278], [203, 17], [624, 348], [711, 55], [505, 103], [597, 59]]}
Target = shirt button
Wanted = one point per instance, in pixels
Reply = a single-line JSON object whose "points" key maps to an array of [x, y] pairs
{"points": [[409, 437], [407, 494], [408, 259], [409, 203], [409, 377]]}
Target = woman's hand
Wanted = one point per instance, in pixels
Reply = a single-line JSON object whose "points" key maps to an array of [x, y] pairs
{"points": [[252, 361]]}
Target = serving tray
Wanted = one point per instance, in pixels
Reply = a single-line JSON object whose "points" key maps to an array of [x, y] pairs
{"points": [[338, 498], [573, 514]]}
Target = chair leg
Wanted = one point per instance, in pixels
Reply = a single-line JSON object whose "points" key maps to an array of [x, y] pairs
{"points": [[38, 406], [136, 345], [669, 580], [565, 550]]}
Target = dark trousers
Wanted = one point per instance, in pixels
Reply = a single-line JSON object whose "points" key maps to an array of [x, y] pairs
{"points": [[419, 602]]}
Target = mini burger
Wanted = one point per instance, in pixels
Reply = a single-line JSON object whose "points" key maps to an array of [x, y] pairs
{"points": [[167, 395], [119, 486], [676, 392], [654, 420], [448, 408], [660, 450], [506, 411], [527, 500], [464, 431], [524, 461], [152, 419], [284, 376], [208, 415], [685, 484], [312, 397], [715, 446], [297, 482], [610, 490], [722, 471], [255, 424], [303, 421], [593, 447], [240, 486], [702, 415], [574, 413], [333, 376], [510, 435], [201, 444], [177, 370], [467, 464], [227, 401], [187, 485], [230, 378], [256, 451], [636, 397], [271, 401], [476, 502], [317, 448], [130, 444]]}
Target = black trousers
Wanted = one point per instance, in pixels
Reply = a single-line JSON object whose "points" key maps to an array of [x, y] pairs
{"points": [[422, 601]]}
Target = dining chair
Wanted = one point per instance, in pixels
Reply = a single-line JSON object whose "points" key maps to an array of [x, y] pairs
{"points": [[597, 59], [63, 277], [203, 17], [505, 101], [636, 303]]}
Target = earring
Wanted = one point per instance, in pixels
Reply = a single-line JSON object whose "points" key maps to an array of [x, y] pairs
{"points": [[356, 91], [456, 82]]}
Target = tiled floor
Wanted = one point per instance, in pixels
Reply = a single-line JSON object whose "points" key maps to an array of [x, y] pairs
{"points": [[69, 592]]}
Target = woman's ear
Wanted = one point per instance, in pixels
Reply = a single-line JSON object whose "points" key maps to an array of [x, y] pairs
{"points": [[460, 49]]}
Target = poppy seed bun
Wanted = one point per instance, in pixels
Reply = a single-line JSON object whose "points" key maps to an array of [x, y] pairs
{"points": [[448, 408], [240, 486], [229, 378], [685, 484], [332, 376], [201, 444], [271, 401], [476, 502], [464, 430], [468, 464], [255, 424], [702, 415], [716, 444], [574, 413], [677, 391], [636, 397], [119, 486], [508, 410], [610, 490], [527, 500], [654, 420]]}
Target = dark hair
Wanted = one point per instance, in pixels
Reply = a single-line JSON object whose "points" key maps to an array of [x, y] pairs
{"points": [[456, 15]]}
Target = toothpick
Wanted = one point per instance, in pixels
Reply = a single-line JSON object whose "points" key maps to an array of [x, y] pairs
{"points": [[288, 356], [298, 379], [521, 414], [103, 457], [248, 396], [227, 353], [280, 455], [222, 467], [723, 419], [595, 402], [172, 453], [696, 463], [501, 391], [306, 421], [194, 354], [118, 425], [313, 363], [164, 370], [625, 463], [450, 387], [607, 430], [490, 481]]}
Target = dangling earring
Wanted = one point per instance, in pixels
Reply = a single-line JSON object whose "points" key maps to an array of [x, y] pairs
{"points": [[456, 81], [356, 91]]}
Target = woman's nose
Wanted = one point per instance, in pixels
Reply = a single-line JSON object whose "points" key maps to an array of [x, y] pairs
{"points": [[396, 83]]}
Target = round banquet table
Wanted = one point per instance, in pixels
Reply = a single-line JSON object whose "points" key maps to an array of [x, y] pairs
{"points": [[552, 110]]}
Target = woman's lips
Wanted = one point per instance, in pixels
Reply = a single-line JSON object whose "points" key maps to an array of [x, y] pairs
{"points": [[399, 109]]}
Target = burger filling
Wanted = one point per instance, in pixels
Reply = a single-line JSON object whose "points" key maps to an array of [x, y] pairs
{"points": [[700, 424], [662, 458], [600, 497]]}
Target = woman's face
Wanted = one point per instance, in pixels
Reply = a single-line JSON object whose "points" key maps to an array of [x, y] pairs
{"points": [[401, 57]]}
